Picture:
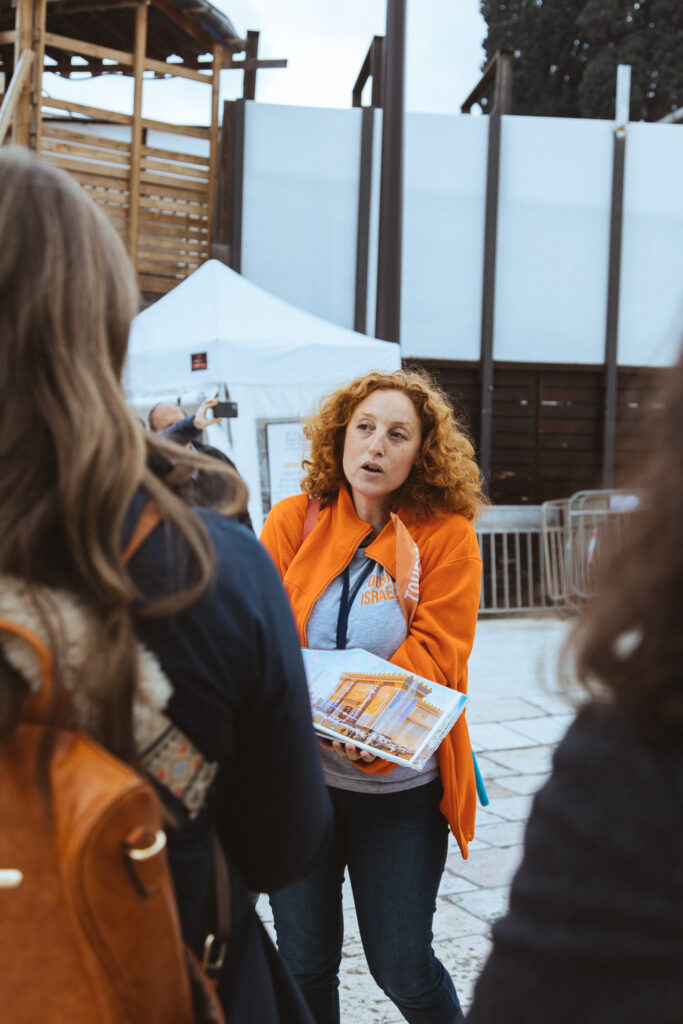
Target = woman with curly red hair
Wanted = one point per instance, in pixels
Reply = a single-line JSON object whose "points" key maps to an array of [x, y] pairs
{"points": [[390, 472]]}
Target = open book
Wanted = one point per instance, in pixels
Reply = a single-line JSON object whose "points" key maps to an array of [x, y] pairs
{"points": [[359, 698]]}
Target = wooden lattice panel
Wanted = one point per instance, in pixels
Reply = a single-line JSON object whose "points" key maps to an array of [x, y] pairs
{"points": [[173, 220]]}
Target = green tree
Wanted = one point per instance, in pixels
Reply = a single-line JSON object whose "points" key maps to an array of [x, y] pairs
{"points": [[567, 52]]}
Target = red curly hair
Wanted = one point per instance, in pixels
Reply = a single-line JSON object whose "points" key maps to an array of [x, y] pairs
{"points": [[445, 477]]}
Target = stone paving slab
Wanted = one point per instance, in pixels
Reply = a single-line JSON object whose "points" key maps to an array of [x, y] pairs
{"points": [[494, 736], [528, 760], [501, 710], [500, 789], [523, 783], [452, 883], [492, 867], [541, 730], [553, 703], [491, 769], [488, 904], [452, 921], [513, 808], [508, 833]]}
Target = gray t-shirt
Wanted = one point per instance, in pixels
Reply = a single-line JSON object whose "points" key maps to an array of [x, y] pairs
{"points": [[376, 624]]}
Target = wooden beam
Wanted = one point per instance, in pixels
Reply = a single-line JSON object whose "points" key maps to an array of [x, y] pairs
{"points": [[195, 131], [90, 152], [175, 167], [93, 68], [39, 15], [177, 157], [83, 49], [116, 176], [8, 38], [136, 140], [96, 113], [82, 6], [14, 90], [65, 133], [250, 64], [249, 78], [21, 130], [213, 129], [179, 70]]}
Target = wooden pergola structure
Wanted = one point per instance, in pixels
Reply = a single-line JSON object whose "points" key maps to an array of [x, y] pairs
{"points": [[161, 200]]}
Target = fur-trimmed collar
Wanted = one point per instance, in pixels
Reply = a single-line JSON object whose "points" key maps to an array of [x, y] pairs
{"points": [[69, 620]]}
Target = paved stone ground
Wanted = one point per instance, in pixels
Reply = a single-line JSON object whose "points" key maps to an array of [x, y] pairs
{"points": [[516, 716]]}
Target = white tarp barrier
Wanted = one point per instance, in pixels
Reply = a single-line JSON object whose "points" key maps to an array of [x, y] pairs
{"points": [[274, 360], [300, 217]]}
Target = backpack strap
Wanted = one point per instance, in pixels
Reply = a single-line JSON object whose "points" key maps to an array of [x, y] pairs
{"points": [[37, 705], [148, 520], [312, 513]]}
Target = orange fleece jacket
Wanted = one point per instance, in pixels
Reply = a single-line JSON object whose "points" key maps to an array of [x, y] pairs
{"points": [[441, 634]]}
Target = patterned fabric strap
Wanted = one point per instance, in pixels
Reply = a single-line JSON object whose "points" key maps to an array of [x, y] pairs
{"points": [[169, 757], [173, 761]]}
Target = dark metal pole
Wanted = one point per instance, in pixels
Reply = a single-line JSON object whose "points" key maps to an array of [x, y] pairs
{"points": [[502, 95], [363, 230], [222, 220], [388, 313], [237, 186], [488, 295], [376, 58], [249, 79], [612, 319]]}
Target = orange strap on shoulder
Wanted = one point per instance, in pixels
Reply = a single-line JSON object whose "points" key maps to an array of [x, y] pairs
{"points": [[312, 513], [149, 519], [41, 701]]}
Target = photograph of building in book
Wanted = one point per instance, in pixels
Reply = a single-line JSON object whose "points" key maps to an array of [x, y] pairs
{"points": [[389, 711]]}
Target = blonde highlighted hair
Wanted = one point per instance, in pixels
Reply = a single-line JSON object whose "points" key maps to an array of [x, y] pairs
{"points": [[72, 454], [445, 477]]}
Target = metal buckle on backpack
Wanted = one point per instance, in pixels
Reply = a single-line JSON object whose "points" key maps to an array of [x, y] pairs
{"points": [[212, 961], [145, 853], [10, 878]]}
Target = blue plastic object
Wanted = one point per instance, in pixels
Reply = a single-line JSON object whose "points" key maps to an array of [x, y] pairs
{"points": [[481, 788]]}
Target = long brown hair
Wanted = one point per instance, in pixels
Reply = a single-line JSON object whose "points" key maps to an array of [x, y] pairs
{"points": [[72, 455], [445, 477], [629, 640]]}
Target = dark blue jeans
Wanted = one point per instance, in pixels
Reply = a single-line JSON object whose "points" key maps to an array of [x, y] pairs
{"points": [[394, 846]]}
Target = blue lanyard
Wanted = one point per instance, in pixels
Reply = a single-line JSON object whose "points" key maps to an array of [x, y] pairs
{"points": [[346, 600]]}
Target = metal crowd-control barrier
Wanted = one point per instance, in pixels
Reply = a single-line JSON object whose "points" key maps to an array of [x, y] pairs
{"points": [[545, 557], [511, 543], [577, 532]]}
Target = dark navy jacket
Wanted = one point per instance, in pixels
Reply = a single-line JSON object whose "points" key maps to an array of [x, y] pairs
{"points": [[594, 932], [239, 693]]}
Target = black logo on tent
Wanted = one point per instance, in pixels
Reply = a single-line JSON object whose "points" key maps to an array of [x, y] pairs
{"points": [[199, 361]]}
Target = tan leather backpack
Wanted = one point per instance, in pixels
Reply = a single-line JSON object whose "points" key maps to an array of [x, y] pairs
{"points": [[89, 930]]}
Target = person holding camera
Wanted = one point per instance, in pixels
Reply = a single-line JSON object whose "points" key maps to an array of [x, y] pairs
{"points": [[172, 422]]}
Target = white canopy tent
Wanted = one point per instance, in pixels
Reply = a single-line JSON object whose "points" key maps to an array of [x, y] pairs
{"points": [[217, 333]]}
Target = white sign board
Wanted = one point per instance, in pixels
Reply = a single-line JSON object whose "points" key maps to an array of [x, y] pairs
{"points": [[285, 447]]}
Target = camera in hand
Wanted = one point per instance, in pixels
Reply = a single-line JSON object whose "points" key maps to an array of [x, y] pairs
{"points": [[227, 409]]}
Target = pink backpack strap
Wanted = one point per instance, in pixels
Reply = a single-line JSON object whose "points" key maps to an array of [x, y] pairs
{"points": [[312, 513]]}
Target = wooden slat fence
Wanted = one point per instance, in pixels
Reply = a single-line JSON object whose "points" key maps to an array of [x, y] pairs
{"points": [[548, 421], [173, 218]]}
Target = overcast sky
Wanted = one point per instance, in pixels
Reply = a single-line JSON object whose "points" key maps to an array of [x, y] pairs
{"points": [[325, 43]]}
